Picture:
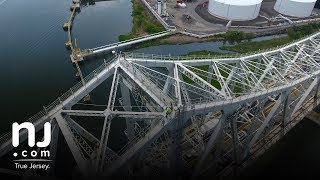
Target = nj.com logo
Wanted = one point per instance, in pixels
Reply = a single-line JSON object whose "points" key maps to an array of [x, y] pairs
{"points": [[31, 133]]}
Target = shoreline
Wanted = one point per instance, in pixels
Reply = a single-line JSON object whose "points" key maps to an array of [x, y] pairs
{"points": [[144, 23], [240, 45]]}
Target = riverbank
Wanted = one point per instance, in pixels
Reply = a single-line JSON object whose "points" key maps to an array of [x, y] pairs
{"points": [[242, 40], [295, 33], [144, 22], [247, 47], [177, 38]]}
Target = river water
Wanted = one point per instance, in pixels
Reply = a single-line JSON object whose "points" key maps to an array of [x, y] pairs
{"points": [[36, 68]]}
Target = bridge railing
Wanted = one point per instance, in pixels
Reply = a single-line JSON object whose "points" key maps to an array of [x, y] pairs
{"points": [[129, 40], [44, 112], [201, 35], [176, 58]]}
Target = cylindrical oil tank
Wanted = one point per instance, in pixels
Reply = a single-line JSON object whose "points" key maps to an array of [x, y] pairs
{"points": [[296, 8], [237, 10]]}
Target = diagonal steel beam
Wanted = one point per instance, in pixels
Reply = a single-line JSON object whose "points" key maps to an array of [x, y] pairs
{"points": [[126, 103], [178, 84], [266, 121], [104, 142], [107, 123], [210, 71], [82, 131], [156, 94], [305, 95], [215, 137], [254, 82], [266, 71], [114, 87], [294, 59], [223, 83], [142, 143], [204, 84], [75, 149], [168, 81]]}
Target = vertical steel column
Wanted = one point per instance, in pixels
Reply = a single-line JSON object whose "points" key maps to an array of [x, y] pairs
{"points": [[107, 122], [268, 119], [286, 110], [104, 143], [215, 138], [175, 154], [177, 87], [168, 81], [126, 99], [210, 71]]}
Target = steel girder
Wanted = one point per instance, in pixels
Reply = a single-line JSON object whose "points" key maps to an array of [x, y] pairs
{"points": [[253, 95]]}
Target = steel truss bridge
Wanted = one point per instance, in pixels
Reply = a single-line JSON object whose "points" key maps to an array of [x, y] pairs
{"points": [[186, 116]]}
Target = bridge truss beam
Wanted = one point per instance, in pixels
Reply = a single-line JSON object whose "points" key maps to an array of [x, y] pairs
{"points": [[193, 110]]}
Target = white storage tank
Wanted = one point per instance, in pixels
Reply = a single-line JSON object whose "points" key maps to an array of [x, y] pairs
{"points": [[296, 8], [238, 10]]}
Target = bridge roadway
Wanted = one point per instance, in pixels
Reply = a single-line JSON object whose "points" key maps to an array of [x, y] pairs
{"points": [[256, 95], [80, 55]]}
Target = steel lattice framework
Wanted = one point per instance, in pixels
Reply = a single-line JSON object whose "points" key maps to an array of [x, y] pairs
{"points": [[182, 114]]}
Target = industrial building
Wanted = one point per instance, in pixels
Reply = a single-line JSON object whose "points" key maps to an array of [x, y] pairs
{"points": [[238, 10], [295, 8]]}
